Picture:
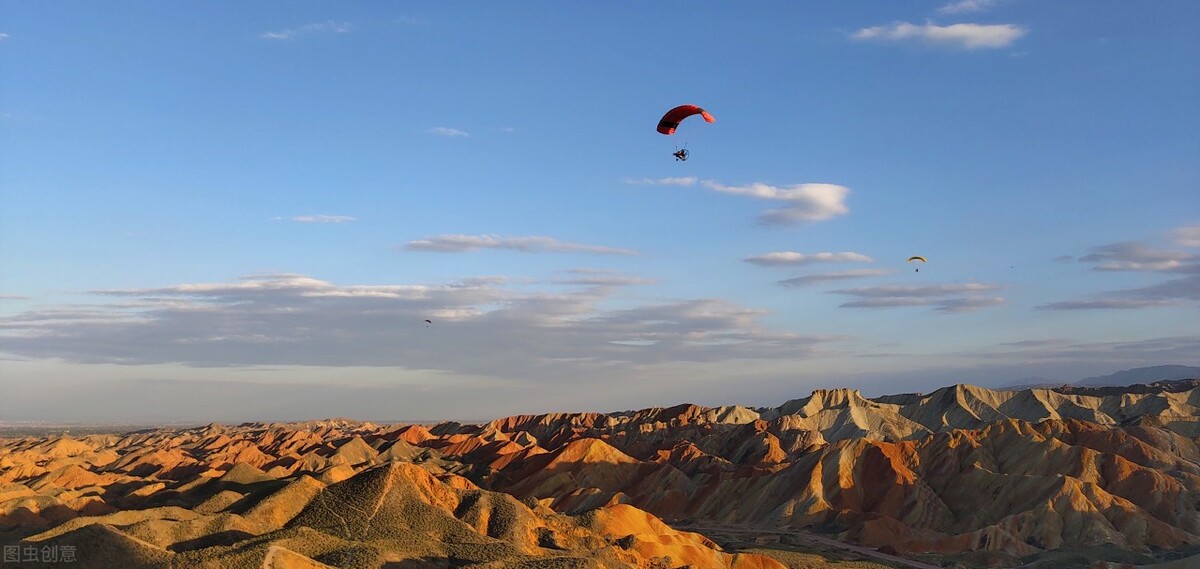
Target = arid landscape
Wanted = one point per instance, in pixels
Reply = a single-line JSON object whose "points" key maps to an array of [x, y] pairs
{"points": [[590, 285], [963, 476]]}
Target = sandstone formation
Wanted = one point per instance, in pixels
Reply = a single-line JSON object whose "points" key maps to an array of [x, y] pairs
{"points": [[964, 474]]}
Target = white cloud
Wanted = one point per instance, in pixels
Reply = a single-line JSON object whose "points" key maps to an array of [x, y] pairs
{"points": [[321, 218], [528, 244], [1187, 236], [792, 258], [964, 297], [682, 181], [807, 202], [967, 6], [959, 36], [1166, 265], [1135, 256], [833, 276], [3, 36], [272, 283], [328, 26], [446, 131]]}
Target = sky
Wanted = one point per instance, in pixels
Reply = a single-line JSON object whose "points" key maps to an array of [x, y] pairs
{"points": [[226, 212]]}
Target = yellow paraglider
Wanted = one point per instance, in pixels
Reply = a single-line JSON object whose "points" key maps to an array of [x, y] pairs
{"points": [[917, 258]]}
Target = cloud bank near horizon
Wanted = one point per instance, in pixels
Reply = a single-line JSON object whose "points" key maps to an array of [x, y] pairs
{"points": [[481, 327]]}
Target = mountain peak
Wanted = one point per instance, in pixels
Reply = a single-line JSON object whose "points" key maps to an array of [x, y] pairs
{"points": [[1139, 375]]}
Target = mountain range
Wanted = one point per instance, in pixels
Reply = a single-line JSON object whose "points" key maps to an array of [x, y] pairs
{"points": [[962, 476]]}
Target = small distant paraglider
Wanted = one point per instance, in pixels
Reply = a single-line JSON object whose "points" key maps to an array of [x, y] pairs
{"points": [[671, 120], [917, 258], [428, 323]]}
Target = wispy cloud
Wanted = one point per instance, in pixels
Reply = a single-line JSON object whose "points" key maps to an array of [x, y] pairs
{"points": [[963, 297], [3, 36], [322, 218], [328, 26], [968, 303], [292, 319], [1187, 236], [833, 276], [1069, 360], [955, 36], [1104, 304], [1136, 256], [806, 202], [599, 277], [1186, 288], [527, 244], [682, 181], [1038, 343], [967, 6], [446, 131], [792, 258], [1169, 293]]}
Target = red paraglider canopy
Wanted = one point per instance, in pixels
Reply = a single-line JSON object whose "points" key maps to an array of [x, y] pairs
{"points": [[671, 120]]}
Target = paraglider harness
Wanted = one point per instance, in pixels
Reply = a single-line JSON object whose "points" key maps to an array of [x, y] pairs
{"points": [[680, 154]]}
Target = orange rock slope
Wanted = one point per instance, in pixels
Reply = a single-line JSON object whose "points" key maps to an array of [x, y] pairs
{"points": [[346, 498], [963, 473]]}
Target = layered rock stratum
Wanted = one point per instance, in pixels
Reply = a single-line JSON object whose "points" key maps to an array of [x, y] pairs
{"points": [[963, 475]]}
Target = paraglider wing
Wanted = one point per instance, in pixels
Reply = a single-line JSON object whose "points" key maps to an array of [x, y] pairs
{"points": [[917, 258], [671, 120], [428, 322]]}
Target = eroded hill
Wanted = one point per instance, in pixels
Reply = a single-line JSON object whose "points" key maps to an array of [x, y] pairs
{"points": [[963, 474]]}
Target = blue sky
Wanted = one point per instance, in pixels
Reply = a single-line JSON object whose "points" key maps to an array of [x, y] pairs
{"points": [[206, 203]]}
